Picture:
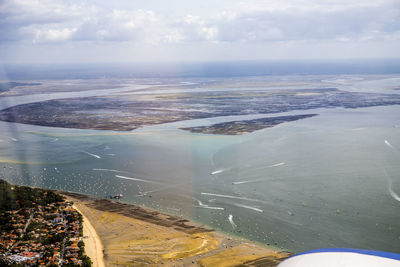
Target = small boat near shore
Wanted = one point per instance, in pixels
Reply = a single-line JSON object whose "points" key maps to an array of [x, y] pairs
{"points": [[119, 196]]}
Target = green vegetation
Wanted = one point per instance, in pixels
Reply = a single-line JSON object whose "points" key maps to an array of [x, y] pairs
{"points": [[14, 197]]}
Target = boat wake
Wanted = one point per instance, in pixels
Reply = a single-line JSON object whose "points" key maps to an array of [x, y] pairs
{"points": [[248, 181], [202, 205], [389, 144], [218, 171], [93, 155], [276, 165], [393, 194], [211, 208], [253, 168], [135, 179], [248, 207], [230, 219], [258, 180], [228, 196], [109, 170]]}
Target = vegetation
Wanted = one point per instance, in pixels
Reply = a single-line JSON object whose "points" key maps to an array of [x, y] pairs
{"points": [[14, 197]]}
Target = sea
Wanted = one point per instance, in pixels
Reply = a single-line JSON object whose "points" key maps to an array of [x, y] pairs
{"points": [[328, 181]]}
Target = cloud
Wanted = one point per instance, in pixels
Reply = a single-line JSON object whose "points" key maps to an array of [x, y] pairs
{"points": [[194, 29], [117, 25], [35, 20], [25, 12], [251, 21], [355, 22]]}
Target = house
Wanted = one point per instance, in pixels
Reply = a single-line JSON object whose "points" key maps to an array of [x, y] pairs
{"points": [[58, 219]]}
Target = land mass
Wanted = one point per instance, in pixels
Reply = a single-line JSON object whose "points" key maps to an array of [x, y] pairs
{"points": [[245, 126], [129, 111], [7, 86]]}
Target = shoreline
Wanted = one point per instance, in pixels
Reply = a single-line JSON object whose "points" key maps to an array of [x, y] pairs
{"points": [[93, 244], [133, 236]]}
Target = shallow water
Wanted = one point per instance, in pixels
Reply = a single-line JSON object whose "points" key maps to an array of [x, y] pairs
{"points": [[333, 190]]}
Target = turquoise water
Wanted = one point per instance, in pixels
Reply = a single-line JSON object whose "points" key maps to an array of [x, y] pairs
{"points": [[327, 181]]}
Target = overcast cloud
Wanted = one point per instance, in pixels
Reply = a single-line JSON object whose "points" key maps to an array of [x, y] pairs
{"points": [[31, 25]]}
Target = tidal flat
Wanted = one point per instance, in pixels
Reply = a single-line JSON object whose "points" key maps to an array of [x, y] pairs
{"points": [[135, 236], [131, 110]]}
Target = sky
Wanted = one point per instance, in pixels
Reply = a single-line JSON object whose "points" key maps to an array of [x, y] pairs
{"points": [[72, 31]]}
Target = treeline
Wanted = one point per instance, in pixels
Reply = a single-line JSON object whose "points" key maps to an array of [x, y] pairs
{"points": [[14, 197]]}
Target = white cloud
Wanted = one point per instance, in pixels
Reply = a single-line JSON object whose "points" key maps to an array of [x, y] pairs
{"points": [[54, 35], [248, 21], [116, 25], [23, 12], [194, 29], [312, 22], [208, 27]]}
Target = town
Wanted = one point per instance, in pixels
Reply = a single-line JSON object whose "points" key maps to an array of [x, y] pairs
{"points": [[38, 227]]}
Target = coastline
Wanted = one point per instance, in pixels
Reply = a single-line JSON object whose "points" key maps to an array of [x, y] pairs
{"points": [[93, 244], [136, 236]]}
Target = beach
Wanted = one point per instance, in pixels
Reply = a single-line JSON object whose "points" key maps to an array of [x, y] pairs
{"points": [[134, 236], [93, 245]]}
